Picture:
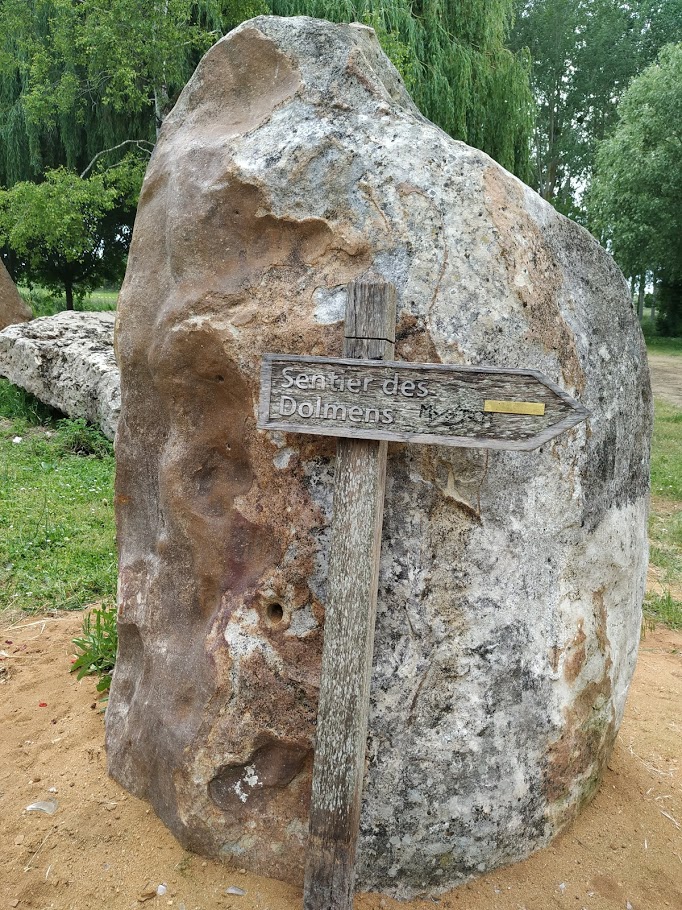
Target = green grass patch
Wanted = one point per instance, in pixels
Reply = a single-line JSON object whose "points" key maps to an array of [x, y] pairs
{"points": [[659, 344], [663, 608], [666, 452], [47, 303], [100, 300], [18, 405], [57, 539], [665, 521]]}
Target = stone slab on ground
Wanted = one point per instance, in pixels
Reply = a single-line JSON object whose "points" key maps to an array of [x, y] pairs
{"points": [[67, 361], [13, 309], [511, 584]]}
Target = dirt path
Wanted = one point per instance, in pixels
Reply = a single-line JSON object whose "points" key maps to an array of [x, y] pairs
{"points": [[666, 377], [102, 847]]}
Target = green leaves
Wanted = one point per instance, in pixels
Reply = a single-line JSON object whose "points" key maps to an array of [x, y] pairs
{"points": [[97, 645], [636, 199], [584, 54], [76, 78], [71, 232], [59, 214]]}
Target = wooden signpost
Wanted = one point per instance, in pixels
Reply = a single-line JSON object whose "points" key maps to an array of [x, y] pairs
{"points": [[367, 399]]}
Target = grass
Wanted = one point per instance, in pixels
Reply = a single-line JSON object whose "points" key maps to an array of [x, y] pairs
{"points": [[663, 608], [659, 344], [16, 404], [665, 522], [57, 539], [666, 452], [47, 303]]}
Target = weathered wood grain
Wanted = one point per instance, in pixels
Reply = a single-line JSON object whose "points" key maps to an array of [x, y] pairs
{"points": [[349, 630], [420, 403]]}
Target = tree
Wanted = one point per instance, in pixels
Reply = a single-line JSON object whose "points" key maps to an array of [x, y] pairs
{"points": [[69, 232], [584, 54], [635, 203], [79, 78], [456, 65], [83, 84]]}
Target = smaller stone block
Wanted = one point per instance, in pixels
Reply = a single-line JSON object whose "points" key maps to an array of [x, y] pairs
{"points": [[67, 361]]}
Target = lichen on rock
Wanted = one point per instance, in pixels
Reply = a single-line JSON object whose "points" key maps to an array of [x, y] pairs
{"points": [[511, 583]]}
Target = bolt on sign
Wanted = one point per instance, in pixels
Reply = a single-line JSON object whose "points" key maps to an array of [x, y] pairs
{"points": [[367, 399]]}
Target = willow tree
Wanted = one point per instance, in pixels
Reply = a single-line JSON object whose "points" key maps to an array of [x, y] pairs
{"points": [[83, 86], [81, 79], [453, 57]]}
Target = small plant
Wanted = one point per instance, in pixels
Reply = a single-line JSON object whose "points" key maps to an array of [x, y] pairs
{"points": [[663, 608], [97, 645], [77, 437]]}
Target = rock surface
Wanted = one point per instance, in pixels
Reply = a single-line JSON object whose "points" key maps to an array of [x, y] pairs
{"points": [[67, 361], [511, 584], [12, 307]]}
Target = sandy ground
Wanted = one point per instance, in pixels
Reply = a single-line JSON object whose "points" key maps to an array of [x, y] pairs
{"points": [[666, 377], [102, 847]]}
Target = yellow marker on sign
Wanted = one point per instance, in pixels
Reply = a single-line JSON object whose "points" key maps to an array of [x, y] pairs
{"points": [[514, 407]]}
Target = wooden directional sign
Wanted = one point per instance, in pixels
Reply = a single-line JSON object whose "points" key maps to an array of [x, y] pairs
{"points": [[482, 407], [367, 399]]}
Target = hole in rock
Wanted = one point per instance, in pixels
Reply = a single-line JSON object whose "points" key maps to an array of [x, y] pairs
{"points": [[275, 612]]}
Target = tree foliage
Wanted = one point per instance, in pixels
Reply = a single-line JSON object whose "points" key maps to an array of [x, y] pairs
{"points": [[78, 78], [636, 199], [584, 54], [84, 85], [69, 233]]}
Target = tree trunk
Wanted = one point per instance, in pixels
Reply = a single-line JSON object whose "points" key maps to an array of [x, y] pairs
{"points": [[68, 288], [654, 299], [670, 308], [640, 297]]}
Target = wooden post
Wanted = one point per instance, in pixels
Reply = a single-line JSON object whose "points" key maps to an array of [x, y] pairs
{"points": [[353, 577]]}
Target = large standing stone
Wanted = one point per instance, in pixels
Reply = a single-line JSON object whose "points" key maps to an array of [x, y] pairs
{"points": [[12, 307], [511, 584]]}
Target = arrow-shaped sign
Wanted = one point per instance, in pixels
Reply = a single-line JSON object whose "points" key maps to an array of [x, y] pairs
{"points": [[471, 406]]}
